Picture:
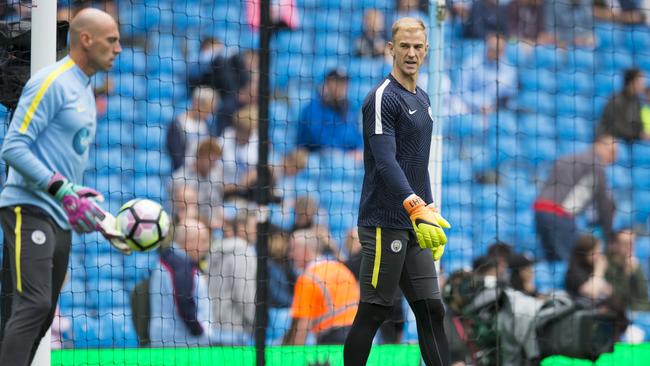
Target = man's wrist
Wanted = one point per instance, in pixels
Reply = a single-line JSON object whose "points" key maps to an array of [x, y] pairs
{"points": [[412, 202]]}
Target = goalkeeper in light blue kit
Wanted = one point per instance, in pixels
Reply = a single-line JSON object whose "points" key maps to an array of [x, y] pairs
{"points": [[46, 149]]}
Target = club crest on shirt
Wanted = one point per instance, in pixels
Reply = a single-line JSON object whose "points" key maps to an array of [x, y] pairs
{"points": [[81, 140], [396, 246]]}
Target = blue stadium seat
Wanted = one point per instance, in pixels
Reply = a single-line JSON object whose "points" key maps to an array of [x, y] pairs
{"points": [[620, 177], [533, 125], [535, 101], [641, 206], [580, 129], [640, 153], [294, 43], [572, 147], [154, 112], [580, 59], [104, 266], [157, 18], [131, 60], [614, 61], [137, 267], [546, 57], [85, 330], [116, 330], [454, 170], [549, 275], [539, 150], [132, 20], [464, 126], [149, 186], [187, 15], [114, 159], [150, 137], [120, 109], [607, 35], [538, 79], [73, 294], [333, 43], [637, 39], [607, 83], [641, 177], [106, 294], [575, 82], [574, 106], [153, 162]]}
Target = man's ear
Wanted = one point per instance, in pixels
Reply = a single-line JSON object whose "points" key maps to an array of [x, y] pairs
{"points": [[391, 48]]}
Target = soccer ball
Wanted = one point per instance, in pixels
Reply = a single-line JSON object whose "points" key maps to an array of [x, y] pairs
{"points": [[144, 223]]}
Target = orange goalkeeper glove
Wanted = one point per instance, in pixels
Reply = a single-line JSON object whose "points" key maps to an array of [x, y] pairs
{"points": [[427, 224]]}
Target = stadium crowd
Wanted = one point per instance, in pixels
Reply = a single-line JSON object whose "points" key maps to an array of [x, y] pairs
{"points": [[203, 284]]}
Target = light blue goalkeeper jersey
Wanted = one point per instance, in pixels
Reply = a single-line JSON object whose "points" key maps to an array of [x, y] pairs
{"points": [[50, 131]]}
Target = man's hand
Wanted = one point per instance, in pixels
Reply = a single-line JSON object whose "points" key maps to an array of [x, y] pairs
{"points": [[77, 201], [427, 224], [107, 226]]}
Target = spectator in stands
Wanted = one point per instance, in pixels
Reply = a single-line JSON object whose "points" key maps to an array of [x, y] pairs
{"points": [[240, 145], [284, 14], [180, 307], [569, 22], [190, 128], [307, 216], [525, 21], [204, 174], [282, 177], [575, 183], [328, 122], [211, 67], [372, 42], [185, 201], [353, 249], [486, 271], [325, 297], [624, 273], [232, 277], [522, 275], [281, 276], [585, 281], [622, 114], [485, 17], [411, 9], [501, 253], [621, 11], [487, 81], [14, 10]]}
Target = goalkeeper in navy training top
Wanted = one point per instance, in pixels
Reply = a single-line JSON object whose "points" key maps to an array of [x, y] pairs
{"points": [[400, 234], [46, 148]]}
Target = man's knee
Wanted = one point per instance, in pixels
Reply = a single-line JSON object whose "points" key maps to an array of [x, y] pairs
{"points": [[37, 308], [434, 308], [374, 312]]}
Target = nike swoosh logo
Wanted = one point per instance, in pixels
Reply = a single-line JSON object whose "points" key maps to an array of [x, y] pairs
{"points": [[411, 112]]}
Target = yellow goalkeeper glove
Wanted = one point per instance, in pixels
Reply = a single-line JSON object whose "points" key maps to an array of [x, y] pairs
{"points": [[427, 224]]}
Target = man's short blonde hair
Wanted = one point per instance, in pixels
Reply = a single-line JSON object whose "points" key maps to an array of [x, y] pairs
{"points": [[408, 24]]}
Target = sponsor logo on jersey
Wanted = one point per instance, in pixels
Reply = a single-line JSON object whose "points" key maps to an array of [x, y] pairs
{"points": [[81, 140]]}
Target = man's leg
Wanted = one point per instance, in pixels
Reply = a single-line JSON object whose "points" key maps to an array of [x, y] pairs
{"points": [[419, 283], [59, 270], [30, 240], [382, 258], [557, 235]]}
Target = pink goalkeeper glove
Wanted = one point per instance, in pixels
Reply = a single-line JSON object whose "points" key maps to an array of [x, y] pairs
{"points": [[77, 201]]}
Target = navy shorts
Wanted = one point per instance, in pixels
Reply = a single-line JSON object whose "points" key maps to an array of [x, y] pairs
{"points": [[392, 258]]}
